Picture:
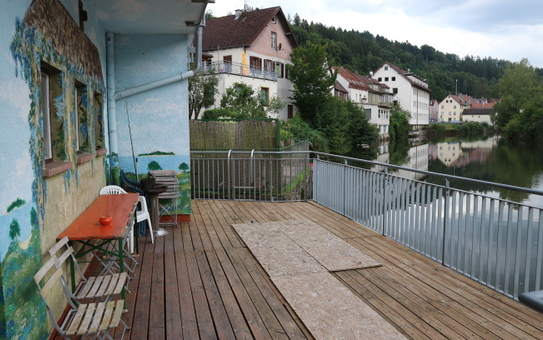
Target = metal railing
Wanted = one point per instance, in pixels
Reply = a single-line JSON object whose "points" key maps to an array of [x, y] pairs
{"points": [[494, 241], [240, 69], [251, 175]]}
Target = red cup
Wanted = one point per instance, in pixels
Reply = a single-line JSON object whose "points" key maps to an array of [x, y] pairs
{"points": [[105, 220]]}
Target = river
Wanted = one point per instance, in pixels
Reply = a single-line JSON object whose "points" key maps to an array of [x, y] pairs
{"points": [[491, 159]]}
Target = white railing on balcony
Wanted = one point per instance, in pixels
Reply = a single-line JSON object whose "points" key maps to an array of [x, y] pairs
{"points": [[240, 69], [494, 241]]}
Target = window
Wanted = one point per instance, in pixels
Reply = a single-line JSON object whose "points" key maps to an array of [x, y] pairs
{"points": [[274, 40], [273, 20], [393, 78], [386, 68], [379, 79], [227, 61], [265, 95], [386, 78], [290, 111], [280, 70], [81, 121], [98, 122], [395, 90], [46, 116], [53, 129]]}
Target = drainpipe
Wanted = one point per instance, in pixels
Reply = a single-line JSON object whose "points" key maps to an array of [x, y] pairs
{"points": [[112, 116], [165, 81]]}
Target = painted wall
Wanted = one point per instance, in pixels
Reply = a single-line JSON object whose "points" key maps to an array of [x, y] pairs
{"points": [[36, 207], [158, 132]]}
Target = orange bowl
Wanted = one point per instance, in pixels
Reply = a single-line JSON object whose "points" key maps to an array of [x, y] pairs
{"points": [[105, 220]]}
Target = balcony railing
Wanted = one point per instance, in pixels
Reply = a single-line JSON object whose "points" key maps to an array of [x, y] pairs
{"points": [[494, 241], [222, 67]]}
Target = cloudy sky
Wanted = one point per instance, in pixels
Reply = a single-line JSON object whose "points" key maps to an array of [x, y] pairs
{"points": [[502, 29]]}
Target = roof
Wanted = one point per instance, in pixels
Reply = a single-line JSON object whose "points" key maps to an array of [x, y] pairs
{"points": [[338, 87], [479, 111], [458, 100], [228, 32], [406, 75], [354, 80]]}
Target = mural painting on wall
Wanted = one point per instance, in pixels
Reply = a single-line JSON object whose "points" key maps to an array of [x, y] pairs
{"points": [[160, 160], [36, 55]]}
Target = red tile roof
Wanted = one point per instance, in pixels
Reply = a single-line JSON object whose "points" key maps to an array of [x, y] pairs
{"points": [[354, 80], [227, 32]]}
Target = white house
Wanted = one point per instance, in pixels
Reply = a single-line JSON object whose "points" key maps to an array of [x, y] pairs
{"points": [[409, 90], [253, 48], [451, 108], [479, 115], [374, 97]]}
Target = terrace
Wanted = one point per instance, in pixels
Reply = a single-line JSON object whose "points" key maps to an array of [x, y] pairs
{"points": [[202, 282], [450, 268]]}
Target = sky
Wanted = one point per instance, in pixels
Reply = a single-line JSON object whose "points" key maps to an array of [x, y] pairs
{"points": [[501, 29]]}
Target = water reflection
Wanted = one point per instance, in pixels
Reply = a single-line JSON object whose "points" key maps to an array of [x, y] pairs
{"points": [[491, 160]]}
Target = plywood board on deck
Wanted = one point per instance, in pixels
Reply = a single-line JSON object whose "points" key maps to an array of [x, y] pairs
{"points": [[330, 310], [299, 256], [277, 239]]}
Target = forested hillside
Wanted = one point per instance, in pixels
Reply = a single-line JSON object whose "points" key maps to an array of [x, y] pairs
{"points": [[364, 52]]}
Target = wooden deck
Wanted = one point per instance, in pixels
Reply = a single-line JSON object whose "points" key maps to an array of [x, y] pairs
{"points": [[201, 282]]}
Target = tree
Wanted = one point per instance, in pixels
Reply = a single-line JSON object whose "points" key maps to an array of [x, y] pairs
{"points": [[202, 91], [399, 124], [14, 230], [241, 101], [312, 78], [183, 167], [517, 88], [153, 165]]}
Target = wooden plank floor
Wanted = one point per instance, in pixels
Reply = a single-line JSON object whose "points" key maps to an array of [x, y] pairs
{"points": [[201, 282]]}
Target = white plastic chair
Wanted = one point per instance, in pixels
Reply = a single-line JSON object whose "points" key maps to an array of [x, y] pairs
{"points": [[141, 215]]}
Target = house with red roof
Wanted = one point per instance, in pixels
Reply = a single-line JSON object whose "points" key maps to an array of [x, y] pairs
{"points": [[464, 108], [252, 47], [410, 91], [373, 97], [451, 108]]}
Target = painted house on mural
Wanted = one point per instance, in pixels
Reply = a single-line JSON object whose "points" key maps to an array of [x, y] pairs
{"points": [[410, 91], [252, 47], [372, 96], [80, 82]]}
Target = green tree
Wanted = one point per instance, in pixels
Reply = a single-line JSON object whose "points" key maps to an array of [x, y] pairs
{"points": [[153, 165], [183, 167], [399, 124], [202, 91], [242, 101], [312, 78], [14, 230], [517, 88]]}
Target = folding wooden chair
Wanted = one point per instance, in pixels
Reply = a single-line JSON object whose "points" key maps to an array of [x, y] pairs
{"points": [[91, 319], [102, 286]]}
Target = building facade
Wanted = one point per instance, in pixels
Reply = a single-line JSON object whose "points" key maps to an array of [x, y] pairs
{"points": [[89, 88], [409, 90], [252, 47]]}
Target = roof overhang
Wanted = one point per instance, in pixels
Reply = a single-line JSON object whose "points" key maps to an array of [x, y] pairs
{"points": [[148, 17]]}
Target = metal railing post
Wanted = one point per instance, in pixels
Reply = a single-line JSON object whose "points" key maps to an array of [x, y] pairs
{"points": [[445, 219]]}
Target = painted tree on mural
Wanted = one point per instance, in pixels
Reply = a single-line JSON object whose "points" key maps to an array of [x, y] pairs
{"points": [[183, 167], [154, 166], [14, 230]]}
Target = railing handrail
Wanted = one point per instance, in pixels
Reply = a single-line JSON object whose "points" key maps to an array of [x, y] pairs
{"points": [[387, 165]]}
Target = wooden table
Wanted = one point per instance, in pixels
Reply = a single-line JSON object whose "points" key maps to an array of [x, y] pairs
{"points": [[86, 227]]}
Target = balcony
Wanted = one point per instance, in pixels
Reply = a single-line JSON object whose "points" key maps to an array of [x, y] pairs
{"points": [[221, 67], [202, 281]]}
